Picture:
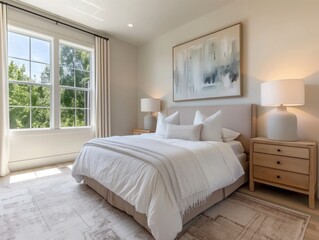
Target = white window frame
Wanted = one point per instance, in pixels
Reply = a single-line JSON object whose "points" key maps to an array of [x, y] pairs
{"points": [[39, 36], [56, 39], [89, 90]]}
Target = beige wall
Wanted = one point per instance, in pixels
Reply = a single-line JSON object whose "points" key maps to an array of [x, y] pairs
{"points": [[280, 41], [123, 77]]}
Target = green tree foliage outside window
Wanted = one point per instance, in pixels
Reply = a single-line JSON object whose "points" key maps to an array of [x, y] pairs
{"points": [[27, 102], [74, 86], [30, 84]]}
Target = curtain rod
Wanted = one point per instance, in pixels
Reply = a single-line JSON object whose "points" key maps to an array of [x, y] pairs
{"points": [[53, 20]]}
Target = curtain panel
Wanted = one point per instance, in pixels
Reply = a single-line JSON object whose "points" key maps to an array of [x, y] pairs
{"points": [[102, 88], [4, 118]]}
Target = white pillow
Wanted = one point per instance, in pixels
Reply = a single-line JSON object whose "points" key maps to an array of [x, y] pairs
{"points": [[229, 135], [212, 126], [187, 132], [162, 122]]}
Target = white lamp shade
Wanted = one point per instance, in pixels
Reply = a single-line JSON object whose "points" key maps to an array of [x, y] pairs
{"points": [[290, 92], [150, 105]]}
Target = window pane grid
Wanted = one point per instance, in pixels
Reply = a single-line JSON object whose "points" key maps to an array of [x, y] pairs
{"points": [[74, 86], [29, 83], [26, 119], [31, 88], [25, 59], [75, 117], [72, 77], [32, 61], [13, 106], [29, 72], [71, 68]]}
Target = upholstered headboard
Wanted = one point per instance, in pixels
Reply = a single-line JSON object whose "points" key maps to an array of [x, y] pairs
{"points": [[240, 118]]}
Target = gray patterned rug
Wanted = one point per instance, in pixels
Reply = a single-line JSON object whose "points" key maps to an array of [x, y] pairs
{"points": [[57, 207], [246, 218]]}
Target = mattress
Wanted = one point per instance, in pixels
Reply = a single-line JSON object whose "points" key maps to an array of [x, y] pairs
{"points": [[236, 146], [239, 151]]}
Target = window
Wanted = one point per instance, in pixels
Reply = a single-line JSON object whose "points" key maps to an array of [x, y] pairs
{"points": [[74, 86], [39, 97], [29, 67]]}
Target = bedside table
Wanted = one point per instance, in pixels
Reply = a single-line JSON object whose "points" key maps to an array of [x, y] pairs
{"points": [[288, 165], [137, 131]]}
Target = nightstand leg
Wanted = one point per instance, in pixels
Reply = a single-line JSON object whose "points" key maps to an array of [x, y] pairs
{"points": [[312, 200], [251, 186]]}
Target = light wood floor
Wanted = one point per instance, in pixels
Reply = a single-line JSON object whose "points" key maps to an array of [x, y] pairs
{"points": [[35, 173], [292, 200], [296, 201]]}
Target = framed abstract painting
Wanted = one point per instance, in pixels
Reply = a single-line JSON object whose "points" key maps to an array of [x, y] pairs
{"points": [[208, 66]]}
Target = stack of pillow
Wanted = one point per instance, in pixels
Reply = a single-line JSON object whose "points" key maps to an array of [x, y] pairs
{"points": [[204, 128]]}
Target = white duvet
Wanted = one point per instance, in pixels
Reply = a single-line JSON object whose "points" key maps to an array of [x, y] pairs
{"points": [[162, 178]]}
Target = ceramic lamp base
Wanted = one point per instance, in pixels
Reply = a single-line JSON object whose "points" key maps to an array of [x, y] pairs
{"points": [[149, 122], [282, 125]]}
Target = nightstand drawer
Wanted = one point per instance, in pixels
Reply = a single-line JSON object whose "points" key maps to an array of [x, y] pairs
{"points": [[298, 152], [282, 177], [296, 165]]}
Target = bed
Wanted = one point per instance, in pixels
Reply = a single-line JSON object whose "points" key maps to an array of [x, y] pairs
{"points": [[240, 118]]}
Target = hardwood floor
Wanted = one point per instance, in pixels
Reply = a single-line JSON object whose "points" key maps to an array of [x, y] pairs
{"points": [[289, 199]]}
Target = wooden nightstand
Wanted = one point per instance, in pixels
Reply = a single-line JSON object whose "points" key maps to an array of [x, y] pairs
{"points": [[288, 165], [137, 131]]}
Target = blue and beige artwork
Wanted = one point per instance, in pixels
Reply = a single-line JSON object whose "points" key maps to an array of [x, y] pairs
{"points": [[208, 67]]}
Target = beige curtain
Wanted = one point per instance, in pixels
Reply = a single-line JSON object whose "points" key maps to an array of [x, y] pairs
{"points": [[4, 118], [102, 88]]}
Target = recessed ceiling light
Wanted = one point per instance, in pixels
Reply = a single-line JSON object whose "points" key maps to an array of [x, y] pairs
{"points": [[130, 25]]}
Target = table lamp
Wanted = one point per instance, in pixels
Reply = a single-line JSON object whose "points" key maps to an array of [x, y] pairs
{"points": [[150, 105], [282, 125]]}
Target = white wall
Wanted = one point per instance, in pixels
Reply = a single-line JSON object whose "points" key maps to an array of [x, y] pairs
{"points": [[45, 147], [280, 41]]}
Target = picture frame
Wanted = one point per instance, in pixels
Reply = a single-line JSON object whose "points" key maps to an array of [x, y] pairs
{"points": [[209, 66]]}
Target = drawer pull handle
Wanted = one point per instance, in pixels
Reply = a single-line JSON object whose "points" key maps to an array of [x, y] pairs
{"points": [[278, 162], [278, 150], [278, 176]]}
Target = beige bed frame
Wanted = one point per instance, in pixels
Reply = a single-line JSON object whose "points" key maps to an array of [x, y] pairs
{"points": [[240, 118]]}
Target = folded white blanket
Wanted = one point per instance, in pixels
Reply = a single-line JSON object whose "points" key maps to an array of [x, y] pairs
{"points": [[177, 165]]}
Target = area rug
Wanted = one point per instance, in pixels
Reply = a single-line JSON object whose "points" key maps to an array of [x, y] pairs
{"points": [[59, 208], [246, 218]]}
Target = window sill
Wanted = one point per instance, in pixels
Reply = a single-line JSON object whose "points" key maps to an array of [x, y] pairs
{"points": [[47, 131]]}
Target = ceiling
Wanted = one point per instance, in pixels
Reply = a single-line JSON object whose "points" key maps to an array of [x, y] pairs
{"points": [[150, 18]]}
